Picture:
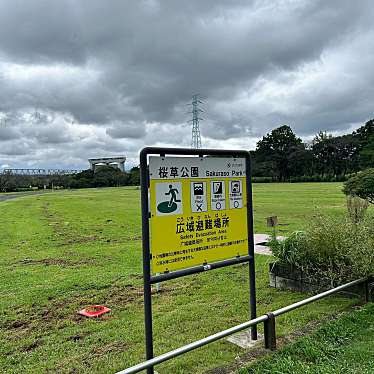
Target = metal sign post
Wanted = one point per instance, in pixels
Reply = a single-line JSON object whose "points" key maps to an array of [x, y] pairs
{"points": [[197, 215]]}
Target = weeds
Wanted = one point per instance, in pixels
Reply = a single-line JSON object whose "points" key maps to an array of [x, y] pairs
{"points": [[357, 208], [331, 247]]}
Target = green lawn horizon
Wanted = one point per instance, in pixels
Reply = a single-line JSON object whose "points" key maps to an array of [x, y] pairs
{"points": [[62, 251]]}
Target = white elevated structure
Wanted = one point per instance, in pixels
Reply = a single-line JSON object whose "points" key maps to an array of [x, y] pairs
{"points": [[118, 161]]}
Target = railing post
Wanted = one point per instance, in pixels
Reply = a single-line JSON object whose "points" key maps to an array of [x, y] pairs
{"points": [[269, 332], [368, 281], [367, 293]]}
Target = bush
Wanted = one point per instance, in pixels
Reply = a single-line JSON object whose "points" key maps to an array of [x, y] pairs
{"points": [[287, 250], [361, 185], [331, 247], [357, 208]]}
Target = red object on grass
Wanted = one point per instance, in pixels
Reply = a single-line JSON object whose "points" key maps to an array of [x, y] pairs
{"points": [[94, 311]]}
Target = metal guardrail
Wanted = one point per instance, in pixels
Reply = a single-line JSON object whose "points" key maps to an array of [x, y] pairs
{"points": [[269, 328]]}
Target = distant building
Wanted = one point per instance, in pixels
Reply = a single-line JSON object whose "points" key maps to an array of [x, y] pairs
{"points": [[118, 162]]}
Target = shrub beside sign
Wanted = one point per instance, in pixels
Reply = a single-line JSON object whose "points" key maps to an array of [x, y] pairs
{"points": [[198, 211]]}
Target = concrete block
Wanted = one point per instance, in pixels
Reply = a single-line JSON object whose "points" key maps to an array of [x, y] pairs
{"points": [[243, 339]]}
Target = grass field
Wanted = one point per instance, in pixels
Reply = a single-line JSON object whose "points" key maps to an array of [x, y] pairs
{"points": [[62, 251], [343, 346]]}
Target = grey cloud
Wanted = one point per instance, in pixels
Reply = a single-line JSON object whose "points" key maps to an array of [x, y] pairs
{"points": [[122, 71], [8, 133], [16, 148], [40, 31], [53, 136], [132, 130]]}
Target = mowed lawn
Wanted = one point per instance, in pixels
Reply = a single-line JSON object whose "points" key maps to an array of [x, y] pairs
{"points": [[62, 251], [341, 346]]}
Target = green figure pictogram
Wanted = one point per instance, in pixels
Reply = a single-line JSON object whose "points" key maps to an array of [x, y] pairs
{"points": [[171, 205]]}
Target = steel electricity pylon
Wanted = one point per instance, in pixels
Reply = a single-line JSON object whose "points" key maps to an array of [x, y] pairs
{"points": [[196, 137], [3, 122], [36, 116]]}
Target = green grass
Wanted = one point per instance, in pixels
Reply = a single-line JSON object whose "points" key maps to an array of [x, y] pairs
{"points": [[295, 203], [62, 251], [343, 346]]}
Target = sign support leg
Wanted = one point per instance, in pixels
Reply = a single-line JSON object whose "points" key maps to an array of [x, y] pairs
{"points": [[146, 260], [252, 297], [251, 250], [148, 322]]}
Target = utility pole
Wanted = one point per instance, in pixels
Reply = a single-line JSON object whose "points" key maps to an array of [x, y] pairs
{"points": [[196, 137]]}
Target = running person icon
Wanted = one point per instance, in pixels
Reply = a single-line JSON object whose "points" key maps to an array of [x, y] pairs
{"points": [[173, 192], [169, 197]]}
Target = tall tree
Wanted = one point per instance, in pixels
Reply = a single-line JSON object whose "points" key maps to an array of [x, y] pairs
{"points": [[346, 154], [335, 155], [367, 154], [278, 148], [365, 137], [322, 153], [134, 176], [364, 133]]}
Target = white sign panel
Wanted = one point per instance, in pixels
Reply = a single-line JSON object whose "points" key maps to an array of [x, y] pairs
{"points": [[217, 195], [169, 198], [236, 194], [199, 201]]}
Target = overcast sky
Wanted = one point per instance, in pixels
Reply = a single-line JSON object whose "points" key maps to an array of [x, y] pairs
{"points": [[87, 78]]}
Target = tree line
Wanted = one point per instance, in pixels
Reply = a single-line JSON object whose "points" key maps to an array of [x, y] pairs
{"points": [[103, 176], [282, 156], [279, 156]]}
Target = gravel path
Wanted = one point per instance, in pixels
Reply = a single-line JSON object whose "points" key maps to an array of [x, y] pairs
{"points": [[263, 238], [20, 194]]}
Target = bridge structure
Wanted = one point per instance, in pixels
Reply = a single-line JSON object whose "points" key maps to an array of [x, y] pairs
{"points": [[40, 172], [117, 161]]}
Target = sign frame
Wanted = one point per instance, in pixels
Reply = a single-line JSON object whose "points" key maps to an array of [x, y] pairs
{"points": [[148, 279]]}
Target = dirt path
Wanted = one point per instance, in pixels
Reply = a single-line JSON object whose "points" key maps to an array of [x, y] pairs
{"points": [[20, 194]]}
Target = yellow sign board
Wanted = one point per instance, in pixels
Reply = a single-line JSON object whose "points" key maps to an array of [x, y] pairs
{"points": [[198, 209]]}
